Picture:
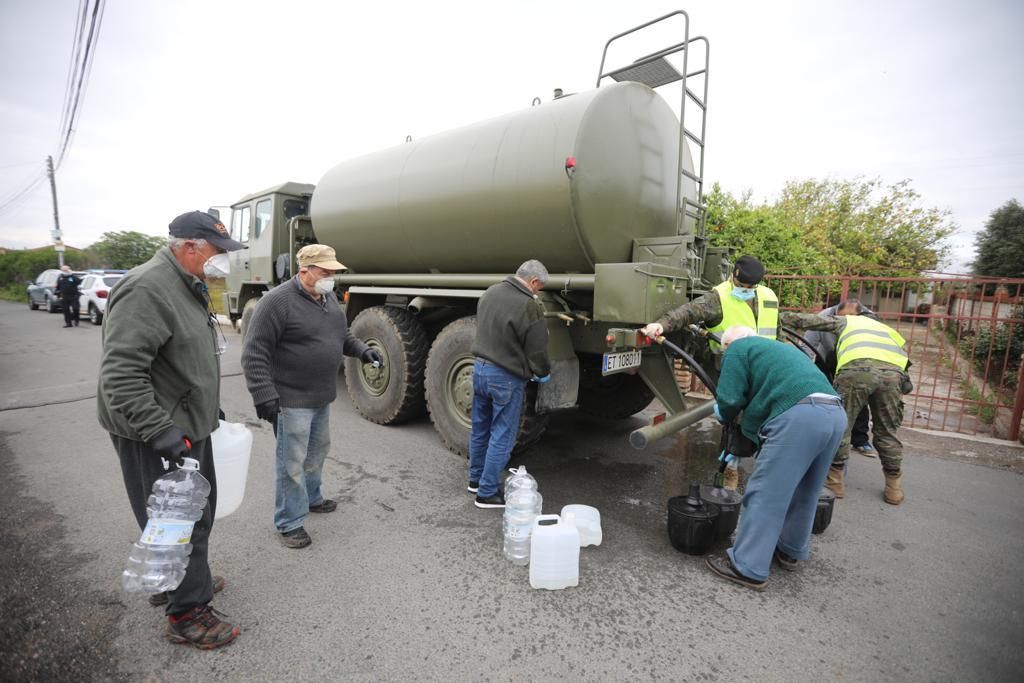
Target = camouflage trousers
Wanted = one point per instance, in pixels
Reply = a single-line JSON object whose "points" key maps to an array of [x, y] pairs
{"points": [[862, 385]]}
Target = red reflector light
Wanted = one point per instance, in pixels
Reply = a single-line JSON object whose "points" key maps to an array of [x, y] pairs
{"points": [[658, 419], [642, 340], [610, 339], [102, 294]]}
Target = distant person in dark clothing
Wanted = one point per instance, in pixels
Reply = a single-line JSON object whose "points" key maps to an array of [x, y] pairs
{"points": [[67, 289]]}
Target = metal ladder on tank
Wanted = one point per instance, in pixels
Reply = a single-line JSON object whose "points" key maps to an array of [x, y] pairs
{"points": [[654, 71]]}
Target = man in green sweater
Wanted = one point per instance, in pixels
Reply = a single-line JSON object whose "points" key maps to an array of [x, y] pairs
{"points": [[792, 412]]}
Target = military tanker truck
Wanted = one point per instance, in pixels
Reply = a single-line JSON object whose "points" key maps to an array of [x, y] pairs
{"points": [[605, 187]]}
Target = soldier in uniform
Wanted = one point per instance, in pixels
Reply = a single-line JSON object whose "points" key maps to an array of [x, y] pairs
{"points": [[739, 301], [871, 366]]}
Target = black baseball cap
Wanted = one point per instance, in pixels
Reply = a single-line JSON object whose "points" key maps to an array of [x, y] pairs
{"points": [[199, 225], [748, 270]]}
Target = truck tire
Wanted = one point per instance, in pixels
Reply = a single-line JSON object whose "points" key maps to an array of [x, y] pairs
{"points": [[612, 397], [449, 391], [392, 393], [247, 312]]}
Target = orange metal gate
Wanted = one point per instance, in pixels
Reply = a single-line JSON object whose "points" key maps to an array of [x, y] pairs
{"points": [[965, 337]]}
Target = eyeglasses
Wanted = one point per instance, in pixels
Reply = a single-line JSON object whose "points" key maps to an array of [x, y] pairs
{"points": [[218, 335]]}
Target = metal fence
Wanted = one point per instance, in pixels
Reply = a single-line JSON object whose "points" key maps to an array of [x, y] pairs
{"points": [[965, 337]]}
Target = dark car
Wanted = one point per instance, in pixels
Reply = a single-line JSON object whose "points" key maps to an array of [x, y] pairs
{"points": [[41, 292]]}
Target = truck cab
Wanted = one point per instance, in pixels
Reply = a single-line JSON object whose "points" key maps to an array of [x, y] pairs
{"points": [[269, 223]]}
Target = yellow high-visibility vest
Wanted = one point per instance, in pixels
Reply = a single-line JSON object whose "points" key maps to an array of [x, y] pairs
{"points": [[867, 338], [736, 312]]}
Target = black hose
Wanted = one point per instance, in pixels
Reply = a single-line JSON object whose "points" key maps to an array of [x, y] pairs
{"points": [[692, 362], [821, 361]]}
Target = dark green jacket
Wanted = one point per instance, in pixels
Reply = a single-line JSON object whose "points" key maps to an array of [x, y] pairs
{"points": [[159, 365], [764, 378], [511, 331]]}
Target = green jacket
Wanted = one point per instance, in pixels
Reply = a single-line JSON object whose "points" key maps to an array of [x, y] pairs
{"points": [[159, 365]]}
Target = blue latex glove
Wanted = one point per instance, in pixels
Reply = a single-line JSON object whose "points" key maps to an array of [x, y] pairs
{"points": [[727, 458], [718, 415], [541, 380]]}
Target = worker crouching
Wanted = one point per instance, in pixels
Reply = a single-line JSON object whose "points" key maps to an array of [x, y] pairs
{"points": [[792, 412]]}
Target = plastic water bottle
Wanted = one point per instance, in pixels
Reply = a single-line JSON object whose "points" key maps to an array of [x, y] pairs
{"points": [[158, 561], [523, 503]]}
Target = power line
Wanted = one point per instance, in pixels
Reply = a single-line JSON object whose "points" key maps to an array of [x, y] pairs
{"points": [[74, 59], [83, 76]]}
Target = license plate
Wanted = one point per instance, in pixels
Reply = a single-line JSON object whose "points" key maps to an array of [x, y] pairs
{"points": [[617, 362]]}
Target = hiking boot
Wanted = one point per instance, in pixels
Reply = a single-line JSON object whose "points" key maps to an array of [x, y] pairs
{"points": [[834, 482], [473, 487], [731, 478], [201, 626], [785, 561], [158, 599], [495, 501], [867, 450], [722, 565], [893, 493], [296, 538], [327, 505]]}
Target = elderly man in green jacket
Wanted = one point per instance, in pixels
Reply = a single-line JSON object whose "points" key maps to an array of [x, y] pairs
{"points": [[159, 396], [791, 411]]}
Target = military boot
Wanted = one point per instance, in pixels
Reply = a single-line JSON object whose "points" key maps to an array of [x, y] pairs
{"points": [[893, 493], [834, 482]]}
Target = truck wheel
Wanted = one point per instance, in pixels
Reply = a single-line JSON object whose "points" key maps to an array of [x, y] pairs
{"points": [[32, 305], [613, 396], [449, 391], [392, 393], [247, 312]]}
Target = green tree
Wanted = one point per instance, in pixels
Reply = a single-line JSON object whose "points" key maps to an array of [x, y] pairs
{"points": [[999, 248], [829, 227], [125, 248]]}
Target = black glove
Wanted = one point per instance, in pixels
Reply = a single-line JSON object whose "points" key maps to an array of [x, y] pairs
{"points": [[172, 445], [372, 356], [268, 411]]}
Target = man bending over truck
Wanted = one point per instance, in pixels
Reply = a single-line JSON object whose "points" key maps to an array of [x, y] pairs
{"points": [[511, 348]]}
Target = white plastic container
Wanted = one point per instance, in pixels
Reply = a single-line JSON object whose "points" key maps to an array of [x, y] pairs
{"points": [[587, 520], [554, 554], [232, 446]]}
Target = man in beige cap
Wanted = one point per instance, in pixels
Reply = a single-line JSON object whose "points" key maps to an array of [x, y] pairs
{"points": [[293, 350]]}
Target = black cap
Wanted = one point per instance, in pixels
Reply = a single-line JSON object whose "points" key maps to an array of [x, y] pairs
{"points": [[748, 270], [198, 225]]}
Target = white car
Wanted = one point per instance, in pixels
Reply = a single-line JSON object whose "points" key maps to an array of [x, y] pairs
{"points": [[95, 289]]}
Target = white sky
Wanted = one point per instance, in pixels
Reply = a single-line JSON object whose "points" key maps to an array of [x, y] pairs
{"points": [[197, 103]]}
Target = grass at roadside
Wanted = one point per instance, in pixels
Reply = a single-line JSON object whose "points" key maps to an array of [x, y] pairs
{"points": [[13, 293]]}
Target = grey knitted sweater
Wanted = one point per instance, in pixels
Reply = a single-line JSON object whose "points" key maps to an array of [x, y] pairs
{"points": [[294, 347]]}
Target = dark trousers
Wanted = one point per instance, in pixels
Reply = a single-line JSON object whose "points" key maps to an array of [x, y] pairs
{"points": [[140, 468], [70, 308], [859, 435]]}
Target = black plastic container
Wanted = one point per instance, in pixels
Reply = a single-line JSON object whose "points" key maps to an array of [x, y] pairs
{"points": [[823, 515], [727, 503], [691, 523]]}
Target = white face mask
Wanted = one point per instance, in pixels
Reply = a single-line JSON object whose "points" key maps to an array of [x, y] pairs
{"points": [[217, 266], [324, 285]]}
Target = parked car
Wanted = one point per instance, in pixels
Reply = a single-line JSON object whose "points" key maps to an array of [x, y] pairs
{"points": [[41, 292], [95, 290]]}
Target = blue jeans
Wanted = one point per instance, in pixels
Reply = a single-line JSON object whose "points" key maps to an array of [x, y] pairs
{"points": [[303, 439], [782, 494], [497, 402]]}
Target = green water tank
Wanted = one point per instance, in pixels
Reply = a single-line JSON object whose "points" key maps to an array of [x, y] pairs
{"points": [[486, 197]]}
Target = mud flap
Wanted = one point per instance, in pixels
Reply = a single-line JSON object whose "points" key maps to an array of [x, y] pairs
{"points": [[562, 390]]}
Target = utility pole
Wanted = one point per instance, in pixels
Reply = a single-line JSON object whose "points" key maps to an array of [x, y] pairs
{"points": [[57, 235]]}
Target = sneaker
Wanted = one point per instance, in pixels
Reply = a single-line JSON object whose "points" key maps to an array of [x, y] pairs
{"points": [[722, 565], [296, 538], [473, 487], [201, 626], [158, 599], [495, 501], [327, 505], [785, 561], [866, 450]]}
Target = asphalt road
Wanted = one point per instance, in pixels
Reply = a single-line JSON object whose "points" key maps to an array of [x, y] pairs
{"points": [[407, 580]]}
